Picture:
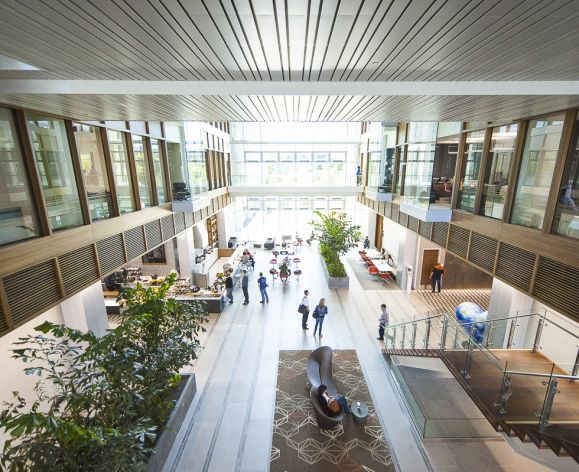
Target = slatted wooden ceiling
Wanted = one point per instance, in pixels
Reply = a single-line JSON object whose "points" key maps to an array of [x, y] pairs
{"points": [[297, 40]]}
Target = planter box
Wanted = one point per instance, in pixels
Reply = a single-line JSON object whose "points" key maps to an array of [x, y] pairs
{"points": [[167, 439], [335, 282]]}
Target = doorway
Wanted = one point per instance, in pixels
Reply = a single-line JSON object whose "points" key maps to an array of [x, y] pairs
{"points": [[379, 232], [429, 260]]}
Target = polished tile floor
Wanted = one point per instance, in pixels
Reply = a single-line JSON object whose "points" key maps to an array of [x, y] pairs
{"points": [[229, 424]]}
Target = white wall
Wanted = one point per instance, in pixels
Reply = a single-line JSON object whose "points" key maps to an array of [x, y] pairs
{"points": [[185, 252], [222, 234], [86, 310], [160, 269], [200, 236], [371, 228]]}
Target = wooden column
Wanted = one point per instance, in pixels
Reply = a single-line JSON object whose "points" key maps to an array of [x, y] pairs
{"points": [[482, 170], [458, 170], [109, 169], [132, 170], [165, 164], [557, 182], [208, 168], [148, 151], [81, 190], [29, 160]]}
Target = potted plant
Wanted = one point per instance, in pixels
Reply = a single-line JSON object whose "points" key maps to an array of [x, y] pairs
{"points": [[337, 235], [101, 403]]}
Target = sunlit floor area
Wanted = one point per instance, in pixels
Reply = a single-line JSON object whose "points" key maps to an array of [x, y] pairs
{"points": [[230, 424]]}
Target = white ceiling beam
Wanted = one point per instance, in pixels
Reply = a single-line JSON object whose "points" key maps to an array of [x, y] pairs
{"points": [[200, 88]]}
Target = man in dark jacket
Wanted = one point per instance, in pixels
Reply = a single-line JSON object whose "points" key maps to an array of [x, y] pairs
{"points": [[229, 288], [245, 287], [437, 275]]}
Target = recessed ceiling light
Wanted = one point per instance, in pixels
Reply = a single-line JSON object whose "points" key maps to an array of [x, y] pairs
{"points": [[7, 63]]}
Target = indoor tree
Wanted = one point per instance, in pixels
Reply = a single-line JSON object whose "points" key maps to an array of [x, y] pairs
{"points": [[337, 235], [101, 402]]}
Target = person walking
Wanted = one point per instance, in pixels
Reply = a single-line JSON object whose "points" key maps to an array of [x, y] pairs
{"points": [[436, 276], [383, 320], [305, 309], [366, 243], [320, 312], [359, 176], [245, 287], [229, 287], [262, 283]]}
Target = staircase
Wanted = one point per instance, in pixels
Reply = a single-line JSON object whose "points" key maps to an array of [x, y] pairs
{"points": [[520, 391]]}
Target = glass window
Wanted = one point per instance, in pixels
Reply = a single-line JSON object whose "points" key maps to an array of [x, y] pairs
{"points": [[18, 219], [470, 170], [155, 128], [536, 171], [496, 181], [121, 171], [444, 164], [138, 127], [116, 124], [159, 171], [94, 171], [566, 214], [143, 172], [54, 164]]}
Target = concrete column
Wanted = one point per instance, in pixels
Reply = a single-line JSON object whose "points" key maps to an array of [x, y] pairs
{"points": [[86, 310], [407, 249], [372, 228], [186, 252], [222, 229], [200, 237]]}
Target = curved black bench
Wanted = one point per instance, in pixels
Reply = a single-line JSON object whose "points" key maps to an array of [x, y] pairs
{"points": [[319, 371]]}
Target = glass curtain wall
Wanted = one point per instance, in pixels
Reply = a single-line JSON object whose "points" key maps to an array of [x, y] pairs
{"points": [[18, 220], [470, 170], [295, 153], [536, 171], [496, 182], [121, 171], [159, 171], [567, 214], [447, 141], [419, 163], [94, 171], [54, 164], [195, 158], [375, 137], [143, 171], [387, 162]]}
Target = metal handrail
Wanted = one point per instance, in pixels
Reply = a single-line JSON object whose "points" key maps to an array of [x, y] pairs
{"points": [[415, 321], [537, 374]]}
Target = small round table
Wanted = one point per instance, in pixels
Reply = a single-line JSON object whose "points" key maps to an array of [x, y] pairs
{"points": [[359, 413]]}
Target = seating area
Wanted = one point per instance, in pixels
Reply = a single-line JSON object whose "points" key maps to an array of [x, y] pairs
{"points": [[379, 269], [319, 371]]}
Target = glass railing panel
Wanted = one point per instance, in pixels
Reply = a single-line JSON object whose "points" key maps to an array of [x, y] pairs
{"points": [[560, 414], [522, 397], [413, 406]]}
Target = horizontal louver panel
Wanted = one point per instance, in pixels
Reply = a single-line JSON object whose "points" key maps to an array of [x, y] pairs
{"points": [[32, 291], [425, 229], [395, 212], [168, 226], [557, 285], [179, 222], [189, 219], [153, 234], [134, 242], [78, 269], [515, 265], [111, 255], [3, 325], [413, 223], [458, 240], [440, 233], [403, 219], [388, 210], [483, 251]]}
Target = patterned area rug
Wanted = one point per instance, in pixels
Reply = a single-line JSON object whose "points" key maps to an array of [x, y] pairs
{"points": [[299, 445], [449, 299]]}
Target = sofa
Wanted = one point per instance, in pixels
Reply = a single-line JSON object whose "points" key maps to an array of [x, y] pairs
{"points": [[319, 371]]}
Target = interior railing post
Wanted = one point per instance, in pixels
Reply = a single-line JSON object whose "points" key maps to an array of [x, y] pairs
{"points": [[576, 365], [512, 330], [413, 344], [403, 336], [504, 393], [394, 338], [489, 341], [548, 403], [455, 343], [427, 335], [469, 352], [537, 342], [444, 330]]}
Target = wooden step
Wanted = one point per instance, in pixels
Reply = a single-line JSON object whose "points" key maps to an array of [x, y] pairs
{"points": [[411, 352], [571, 449]]}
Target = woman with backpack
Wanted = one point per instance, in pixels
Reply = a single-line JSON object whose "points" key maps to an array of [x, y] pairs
{"points": [[319, 313]]}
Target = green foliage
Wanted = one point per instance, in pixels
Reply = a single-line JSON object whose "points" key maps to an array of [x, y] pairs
{"points": [[101, 402], [337, 235]]}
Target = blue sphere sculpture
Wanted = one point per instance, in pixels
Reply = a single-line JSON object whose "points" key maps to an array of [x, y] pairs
{"points": [[470, 314]]}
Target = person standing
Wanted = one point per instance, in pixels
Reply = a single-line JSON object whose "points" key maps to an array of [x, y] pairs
{"points": [[359, 176], [437, 275], [319, 314], [366, 243], [305, 306], [229, 287], [245, 287], [383, 320], [262, 283]]}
